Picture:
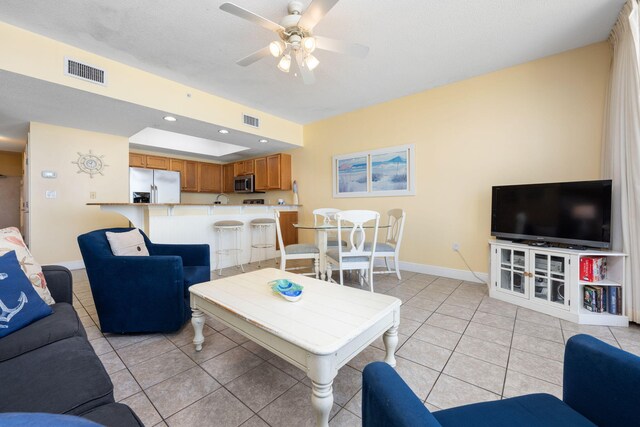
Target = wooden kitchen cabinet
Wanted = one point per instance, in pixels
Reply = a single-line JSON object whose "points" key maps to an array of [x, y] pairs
{"points": [[177, 165], [244, 167], [260, 183], [150, 162], [228, 173], [249, 167], [273, 172], [190, 176], [188, 173], [155, 162], [285, 171], [289, 232], [137, 160], [209, 178]]}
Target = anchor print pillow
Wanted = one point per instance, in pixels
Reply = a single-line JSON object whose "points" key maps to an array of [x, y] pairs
{"points": [[20, 304], [11, 240]]}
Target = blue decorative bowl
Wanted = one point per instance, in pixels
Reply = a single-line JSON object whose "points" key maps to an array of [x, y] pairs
{"points": [[286, 289]]}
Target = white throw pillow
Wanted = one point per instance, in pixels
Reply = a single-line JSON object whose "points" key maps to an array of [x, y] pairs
{"points": [[11, 240], [129, 243]]}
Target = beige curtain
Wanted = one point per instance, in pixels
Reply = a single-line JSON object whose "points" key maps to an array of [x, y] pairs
{"points": [[621, 148]]}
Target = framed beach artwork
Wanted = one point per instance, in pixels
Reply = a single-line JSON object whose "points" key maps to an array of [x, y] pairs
{"points": [[352, 175], [385, 172]]}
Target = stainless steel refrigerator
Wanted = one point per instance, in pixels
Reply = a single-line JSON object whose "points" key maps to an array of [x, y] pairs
{"points": [[153, 186]]}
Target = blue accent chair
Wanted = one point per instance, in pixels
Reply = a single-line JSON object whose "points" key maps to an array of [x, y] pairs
{"points": [[140, 293], [601, 388]]}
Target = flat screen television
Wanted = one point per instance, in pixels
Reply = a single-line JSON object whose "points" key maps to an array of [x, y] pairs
{"points": [[571, 213]]}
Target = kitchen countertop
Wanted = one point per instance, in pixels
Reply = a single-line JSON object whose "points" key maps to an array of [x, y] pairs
{"points": [[187, 204]]}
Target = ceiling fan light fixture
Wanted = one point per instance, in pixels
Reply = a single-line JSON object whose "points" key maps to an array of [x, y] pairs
{"points": [[309, 44], [276, 48], [311, 62], [294, 36], [285, 63]]}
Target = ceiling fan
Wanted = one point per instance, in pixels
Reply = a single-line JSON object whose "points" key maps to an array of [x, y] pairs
{"points": [[296, 39]]}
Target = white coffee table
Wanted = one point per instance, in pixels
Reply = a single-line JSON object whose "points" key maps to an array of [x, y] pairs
{"points": [[319, 334]]}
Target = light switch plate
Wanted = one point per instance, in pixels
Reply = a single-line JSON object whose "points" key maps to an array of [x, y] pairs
{"points": [[50, 194]]}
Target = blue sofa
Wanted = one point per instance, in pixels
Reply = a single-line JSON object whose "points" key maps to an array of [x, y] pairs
{"points": [[49, 367], [142, 293], [601, 387]]}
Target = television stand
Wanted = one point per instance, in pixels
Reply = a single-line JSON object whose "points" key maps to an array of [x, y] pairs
{"points": [[547, 279]]}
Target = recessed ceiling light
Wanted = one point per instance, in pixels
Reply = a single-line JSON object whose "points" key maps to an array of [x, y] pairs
{"points": [[223, 131], [170, 118], [264, 141]]}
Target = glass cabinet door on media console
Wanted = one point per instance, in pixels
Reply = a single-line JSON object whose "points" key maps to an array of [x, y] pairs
{"points": [[550, 278], [512, 274]]}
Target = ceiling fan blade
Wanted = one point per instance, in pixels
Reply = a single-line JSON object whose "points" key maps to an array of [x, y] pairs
{"points": [[315, 12], [307, 75], [340, 46], [251, 17], [255, 56]]}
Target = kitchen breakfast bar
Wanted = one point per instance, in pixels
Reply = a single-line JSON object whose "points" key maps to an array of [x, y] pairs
{"points": [[193, 223]]}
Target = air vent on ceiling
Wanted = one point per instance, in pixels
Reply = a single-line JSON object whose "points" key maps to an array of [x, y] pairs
{"points": [[251, 121], [85, 72]]}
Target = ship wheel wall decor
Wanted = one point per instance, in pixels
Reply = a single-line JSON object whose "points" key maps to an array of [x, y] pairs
{"points": [[90, 164]]}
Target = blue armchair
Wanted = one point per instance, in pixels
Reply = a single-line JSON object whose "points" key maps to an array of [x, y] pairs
{"points": [[601, 388], [140, 293]]}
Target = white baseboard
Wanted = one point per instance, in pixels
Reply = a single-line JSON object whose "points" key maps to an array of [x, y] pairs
{"points": [[451, 273], [72, 265], [433, 270]]}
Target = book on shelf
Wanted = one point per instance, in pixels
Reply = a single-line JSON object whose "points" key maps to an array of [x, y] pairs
{"points": [[589, 298], [595, 298], [602, 299], [593, 268], [619, 299], [614, 300]]}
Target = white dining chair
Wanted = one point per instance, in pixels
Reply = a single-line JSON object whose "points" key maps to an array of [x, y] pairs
{"points": [[327, 216], [297, 251], [390, 248], [355, 256]]}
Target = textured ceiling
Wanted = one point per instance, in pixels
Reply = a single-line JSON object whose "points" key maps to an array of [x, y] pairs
{"points": [[415, 44]]}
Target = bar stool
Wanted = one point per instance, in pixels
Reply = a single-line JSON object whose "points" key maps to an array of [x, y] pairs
{"points": [[219, 228], [262, 226]]}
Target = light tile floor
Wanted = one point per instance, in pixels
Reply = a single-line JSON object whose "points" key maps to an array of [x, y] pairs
{"points": [[456, 346]]}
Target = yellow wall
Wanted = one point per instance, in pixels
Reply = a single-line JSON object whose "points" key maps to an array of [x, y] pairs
{"points": [[536, 122], [43, 58], [10, 163], [56, 223]]}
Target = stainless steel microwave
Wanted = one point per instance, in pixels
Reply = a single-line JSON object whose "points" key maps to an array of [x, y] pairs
{"points": [[244, 183]]}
